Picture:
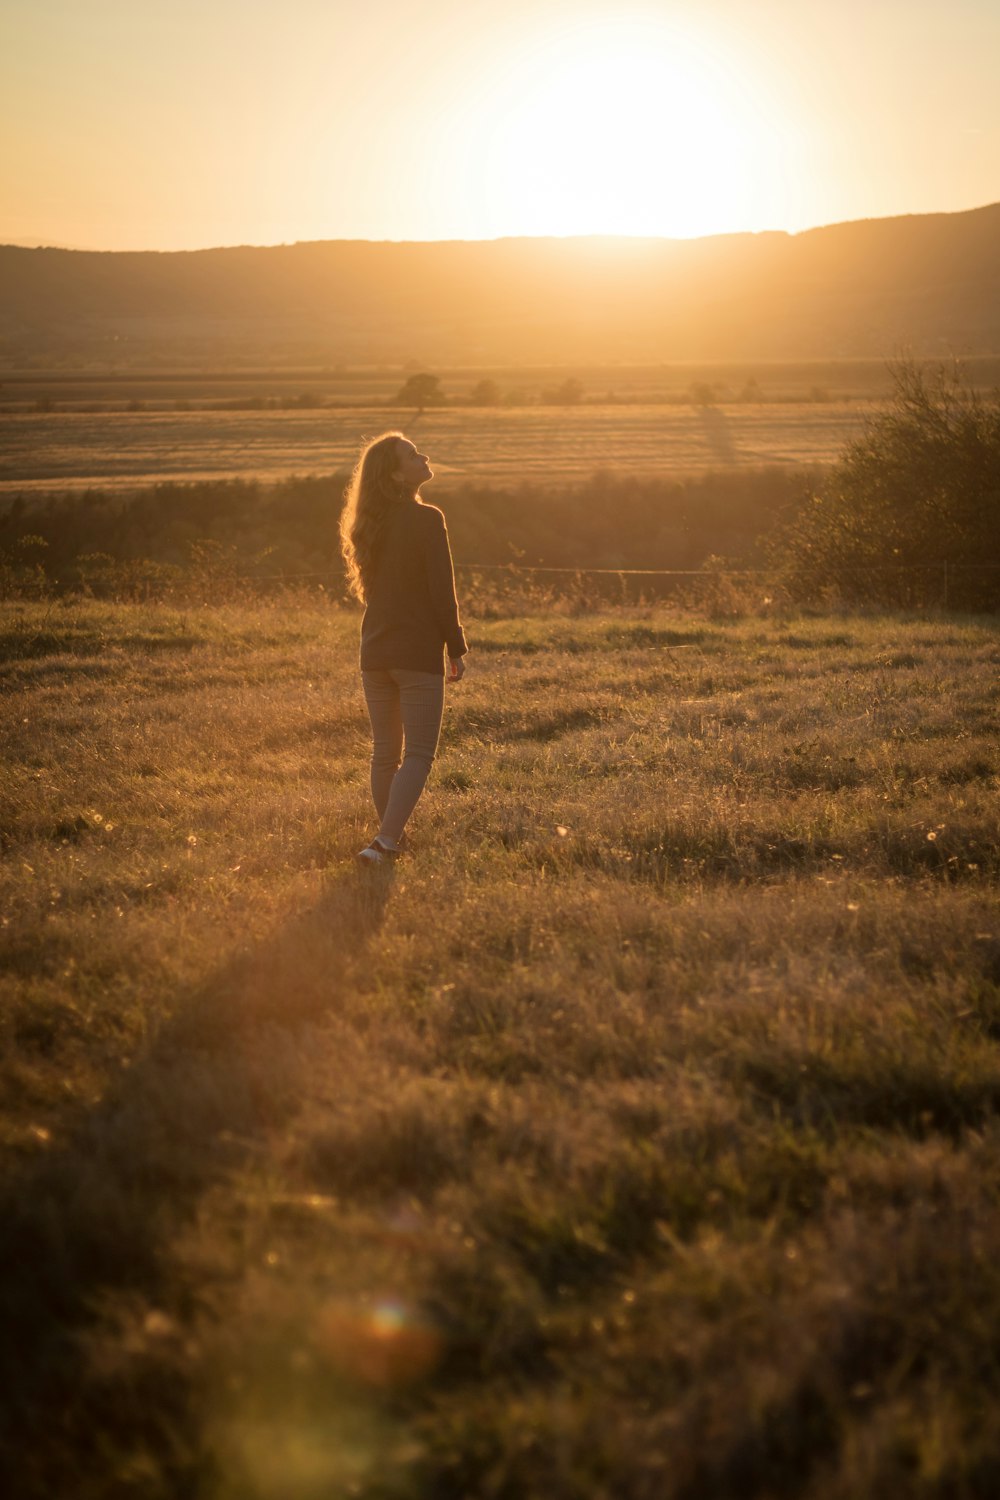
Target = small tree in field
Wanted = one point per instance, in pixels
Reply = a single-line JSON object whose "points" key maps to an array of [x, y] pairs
{"points": [[419, 391], [570, 393], [485, 393], [919, 490]]}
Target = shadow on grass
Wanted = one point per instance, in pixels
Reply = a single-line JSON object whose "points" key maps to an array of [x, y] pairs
{"points": [[87, 1229], [500, 725], [26, 644], [915, 1097]]}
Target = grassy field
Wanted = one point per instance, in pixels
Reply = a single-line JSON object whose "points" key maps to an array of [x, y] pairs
{"points": [[79, 450], [635, 1138]]}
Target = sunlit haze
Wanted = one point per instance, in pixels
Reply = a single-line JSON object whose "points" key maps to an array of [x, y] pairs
{"points": [[220, 122]]}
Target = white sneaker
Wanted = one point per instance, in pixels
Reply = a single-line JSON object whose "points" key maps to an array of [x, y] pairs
{"points": [[376, 853]]}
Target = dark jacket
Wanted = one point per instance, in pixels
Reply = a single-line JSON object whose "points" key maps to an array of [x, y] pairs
{"points": [[411, 612]]}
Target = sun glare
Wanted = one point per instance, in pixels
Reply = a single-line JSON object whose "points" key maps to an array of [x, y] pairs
{"points": [[620, 127]]}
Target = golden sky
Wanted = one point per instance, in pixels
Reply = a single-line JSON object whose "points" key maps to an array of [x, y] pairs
{"points": [[179, 124]]}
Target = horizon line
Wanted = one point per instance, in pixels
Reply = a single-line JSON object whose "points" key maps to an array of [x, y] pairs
{"points": [[27, 243]]}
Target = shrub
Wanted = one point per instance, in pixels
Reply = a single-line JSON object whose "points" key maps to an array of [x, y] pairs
{"points": [[485, 393], [22, 571], [910, 515]]}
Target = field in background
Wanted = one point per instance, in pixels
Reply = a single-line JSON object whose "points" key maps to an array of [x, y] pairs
{"points": [[78, 450], [115, 384], [74, 429], [636, 1138]]}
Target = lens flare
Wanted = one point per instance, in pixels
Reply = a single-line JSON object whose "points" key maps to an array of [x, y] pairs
{"points": [[385, 1345]]}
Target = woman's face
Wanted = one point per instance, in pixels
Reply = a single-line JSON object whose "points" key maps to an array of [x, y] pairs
{"points": [[413, 469]]}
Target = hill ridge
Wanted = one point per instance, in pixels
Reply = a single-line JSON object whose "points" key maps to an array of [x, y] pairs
{"points": [[927, 282]]}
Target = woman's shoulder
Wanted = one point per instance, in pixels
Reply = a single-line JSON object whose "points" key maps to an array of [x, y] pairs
{"points": [[429, 514]]}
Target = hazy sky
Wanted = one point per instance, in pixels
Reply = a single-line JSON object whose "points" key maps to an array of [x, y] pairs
{"points": [[176, 124]]}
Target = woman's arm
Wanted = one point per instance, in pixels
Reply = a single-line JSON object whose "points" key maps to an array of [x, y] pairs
{"points": [[441, 582]]}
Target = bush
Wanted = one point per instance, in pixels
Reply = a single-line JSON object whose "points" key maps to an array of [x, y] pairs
{"points": [[22, 571], [910, 515]]}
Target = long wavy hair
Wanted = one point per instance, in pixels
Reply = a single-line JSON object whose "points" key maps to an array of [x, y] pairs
{"points": [[368, 503]]}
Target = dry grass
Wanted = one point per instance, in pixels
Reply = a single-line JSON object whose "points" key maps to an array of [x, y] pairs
{"points": [[79, 450], [637, 1137]]}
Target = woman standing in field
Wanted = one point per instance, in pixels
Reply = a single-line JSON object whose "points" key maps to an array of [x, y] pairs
{"points": [[399, 566]]}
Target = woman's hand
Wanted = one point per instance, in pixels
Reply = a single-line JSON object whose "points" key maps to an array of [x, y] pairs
{"points": [[456, 668]]}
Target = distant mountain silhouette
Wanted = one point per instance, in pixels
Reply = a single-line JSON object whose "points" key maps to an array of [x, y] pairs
{"points": [[929, 283]]}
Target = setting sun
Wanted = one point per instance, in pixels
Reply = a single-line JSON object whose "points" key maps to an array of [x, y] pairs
{"points": [[214, 122], [620, 126]]}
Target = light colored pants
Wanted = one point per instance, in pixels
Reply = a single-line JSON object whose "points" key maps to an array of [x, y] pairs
{"points": [[405, 709]]}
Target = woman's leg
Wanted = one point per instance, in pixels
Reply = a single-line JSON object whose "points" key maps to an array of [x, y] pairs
{"points": [[421, 701], [382, 698]]}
